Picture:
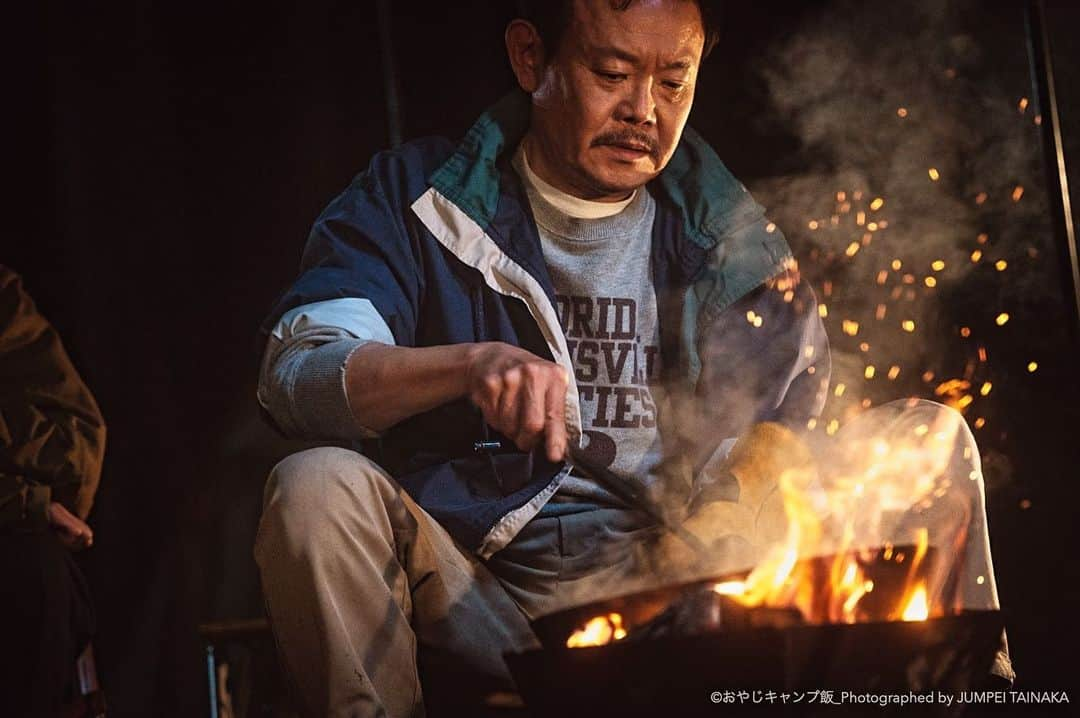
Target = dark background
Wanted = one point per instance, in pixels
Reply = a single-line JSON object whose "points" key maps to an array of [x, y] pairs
{"points": [[168, 159]]}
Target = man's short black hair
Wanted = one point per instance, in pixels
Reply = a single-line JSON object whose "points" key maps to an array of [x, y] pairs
{"points": [[552, 17]]}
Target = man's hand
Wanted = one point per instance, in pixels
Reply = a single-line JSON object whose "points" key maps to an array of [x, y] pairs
{"points": [[73, 531], [521, 395]]}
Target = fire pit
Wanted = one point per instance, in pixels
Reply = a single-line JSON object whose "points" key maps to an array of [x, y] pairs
{"points": [[676, 649]]}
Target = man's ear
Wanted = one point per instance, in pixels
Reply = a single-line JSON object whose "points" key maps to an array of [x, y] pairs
{"points": [[526, 53]]}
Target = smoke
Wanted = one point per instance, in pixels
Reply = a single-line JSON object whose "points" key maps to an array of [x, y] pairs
{"points": [[922, 216]]}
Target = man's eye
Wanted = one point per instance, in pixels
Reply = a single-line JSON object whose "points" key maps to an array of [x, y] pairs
{"points": [[672, 85], [610, 76]]}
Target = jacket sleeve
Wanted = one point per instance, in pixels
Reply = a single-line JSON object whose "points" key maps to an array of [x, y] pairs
{"points": [[359, 282], [52, 435]]}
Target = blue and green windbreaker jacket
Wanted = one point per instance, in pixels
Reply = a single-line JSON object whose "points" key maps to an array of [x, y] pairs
{"points": [[435, 244]]}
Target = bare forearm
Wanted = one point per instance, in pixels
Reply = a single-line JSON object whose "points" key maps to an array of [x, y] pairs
{"points": [[388, 384], [519, 394]]}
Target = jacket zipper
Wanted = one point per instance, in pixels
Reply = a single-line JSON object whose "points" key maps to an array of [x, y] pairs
{"points": [[487, 446]]}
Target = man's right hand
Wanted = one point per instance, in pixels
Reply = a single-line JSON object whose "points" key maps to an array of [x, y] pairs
{"points": [[521, 395]]}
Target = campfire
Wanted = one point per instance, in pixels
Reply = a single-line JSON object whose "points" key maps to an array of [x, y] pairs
{"points": [[841, 559], [834, 589], [862, 591]]}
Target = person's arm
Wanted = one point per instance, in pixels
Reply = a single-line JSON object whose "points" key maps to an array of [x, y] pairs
{"points": [[521, 395], [352, 387], [52, 436]]}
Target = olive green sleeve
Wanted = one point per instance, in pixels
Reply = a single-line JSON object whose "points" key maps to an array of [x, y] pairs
{"points": [[52, 435]]}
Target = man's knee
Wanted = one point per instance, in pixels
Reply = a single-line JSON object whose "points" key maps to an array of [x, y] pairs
{"points": [[323, 489], [938, 430]]}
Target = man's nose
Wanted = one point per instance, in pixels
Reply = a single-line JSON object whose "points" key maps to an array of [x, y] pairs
{"points": [[638, 106]]}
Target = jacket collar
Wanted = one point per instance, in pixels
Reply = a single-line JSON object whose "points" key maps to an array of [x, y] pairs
{"points": [[710, 201]]}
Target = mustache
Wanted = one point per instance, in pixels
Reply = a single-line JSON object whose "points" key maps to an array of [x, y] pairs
{"points": [[628, 137]]}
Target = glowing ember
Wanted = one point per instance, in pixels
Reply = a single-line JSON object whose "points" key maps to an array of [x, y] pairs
{"points": [[730, 588], [1022, 105], [930, 282], [1002, 319], [869, 371], [976, 255], [877, 204], [901, 112], [896, 265], [823, 311], [1017, 193], [1001, 265], [851, 328], [985, 389], [937, 265], [934, 174], [917, 608], [907, 325], [598, 631], [1032, 366]]}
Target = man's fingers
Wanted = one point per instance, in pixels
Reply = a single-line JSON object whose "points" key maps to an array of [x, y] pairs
{"points": [[508, 408], [526, 402], [555, 417], [75, 537], [531, 407]]}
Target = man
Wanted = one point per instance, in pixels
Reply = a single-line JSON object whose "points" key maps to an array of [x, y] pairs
{"points": [[52, 441], [551, 329]]}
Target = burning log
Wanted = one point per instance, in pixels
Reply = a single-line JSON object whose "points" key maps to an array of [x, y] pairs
{"points": [[704, 610]]}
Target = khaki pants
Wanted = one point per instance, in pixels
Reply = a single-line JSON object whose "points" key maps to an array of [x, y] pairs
{"points": [[359, 580], [356, 576]]}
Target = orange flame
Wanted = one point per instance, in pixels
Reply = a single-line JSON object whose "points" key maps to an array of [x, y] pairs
{"points": [[599, 631], [917, 608]]}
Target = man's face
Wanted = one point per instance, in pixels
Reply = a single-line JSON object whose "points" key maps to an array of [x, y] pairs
{"points": [[613, 100]]}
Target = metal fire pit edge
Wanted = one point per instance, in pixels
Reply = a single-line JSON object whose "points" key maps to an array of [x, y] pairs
{"points": [[676, 676]]}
